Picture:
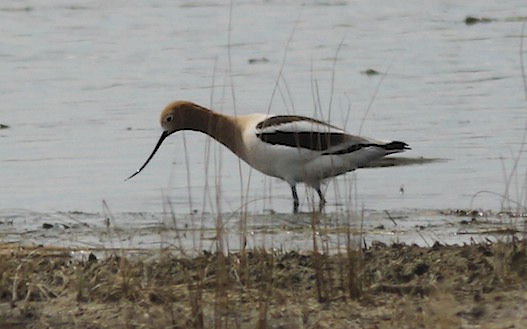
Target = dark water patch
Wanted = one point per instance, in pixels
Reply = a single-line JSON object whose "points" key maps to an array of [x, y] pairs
{"points": [[17, 10], [257, 60], [472, 20], [77, 7], [370, 72]]}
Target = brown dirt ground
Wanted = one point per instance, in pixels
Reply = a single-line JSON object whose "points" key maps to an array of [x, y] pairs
{"points": [[397, 286]]}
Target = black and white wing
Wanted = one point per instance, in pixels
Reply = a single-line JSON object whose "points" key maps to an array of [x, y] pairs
{"points": [[307, 133]]}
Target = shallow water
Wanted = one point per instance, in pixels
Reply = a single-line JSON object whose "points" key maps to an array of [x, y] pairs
{"points": [[83, 85], [197, 232]]}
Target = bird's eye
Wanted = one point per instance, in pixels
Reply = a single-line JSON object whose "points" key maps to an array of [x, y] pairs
{"points": [[169, 118]]}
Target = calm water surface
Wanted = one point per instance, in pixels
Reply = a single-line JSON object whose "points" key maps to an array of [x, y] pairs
{"points": [[83, 84]]}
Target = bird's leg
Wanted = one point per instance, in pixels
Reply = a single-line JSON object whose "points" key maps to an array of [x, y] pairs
{"points": [[322, 199], [296, 203]]}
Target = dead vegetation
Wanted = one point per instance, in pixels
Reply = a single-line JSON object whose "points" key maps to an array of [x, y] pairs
{"points": [[381, 287]]}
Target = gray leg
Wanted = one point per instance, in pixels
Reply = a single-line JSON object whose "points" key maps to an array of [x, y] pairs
{"points": [[322, 199], [296, 203]]}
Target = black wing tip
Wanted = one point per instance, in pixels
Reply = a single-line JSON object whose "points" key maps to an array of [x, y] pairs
{"points": [[396, 146]]}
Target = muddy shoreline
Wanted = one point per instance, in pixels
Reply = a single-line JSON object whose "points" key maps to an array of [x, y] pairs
{"points": [[192, 233]]}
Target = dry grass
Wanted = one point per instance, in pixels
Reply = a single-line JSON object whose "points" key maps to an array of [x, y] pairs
{"points": [[394, 286]]}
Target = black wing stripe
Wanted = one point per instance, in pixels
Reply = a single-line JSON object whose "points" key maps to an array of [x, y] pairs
{"points": [[309, 140], [350, 149], [392, 146]]}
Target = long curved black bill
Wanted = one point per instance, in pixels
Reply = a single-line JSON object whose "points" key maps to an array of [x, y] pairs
{"points": [[161, 139]]}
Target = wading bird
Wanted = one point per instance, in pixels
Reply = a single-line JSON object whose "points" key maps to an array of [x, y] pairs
{"points": [[293, 148]]}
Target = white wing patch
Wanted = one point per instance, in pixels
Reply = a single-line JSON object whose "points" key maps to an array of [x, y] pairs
{"points": [[295, 124]]}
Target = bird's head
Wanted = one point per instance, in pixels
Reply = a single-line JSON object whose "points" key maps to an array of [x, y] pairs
{"points": [[175, 116]]}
